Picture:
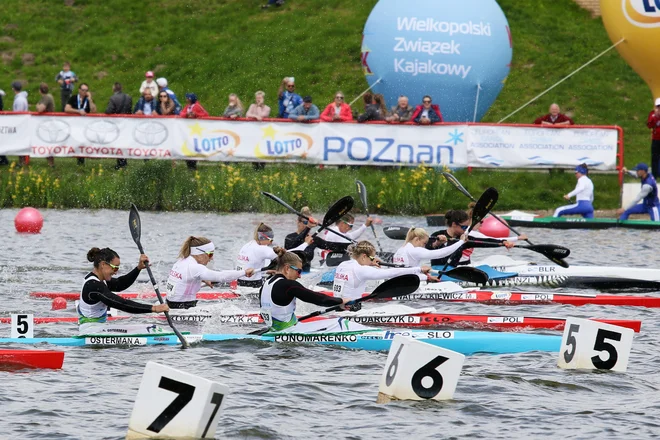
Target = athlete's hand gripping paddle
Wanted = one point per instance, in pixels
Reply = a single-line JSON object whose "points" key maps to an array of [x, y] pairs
{"points": [[136, 231], [551, 256]]}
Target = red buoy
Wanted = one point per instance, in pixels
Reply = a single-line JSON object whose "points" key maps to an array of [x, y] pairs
{"points": [[28, 221], [493, 228], [59, 303]]}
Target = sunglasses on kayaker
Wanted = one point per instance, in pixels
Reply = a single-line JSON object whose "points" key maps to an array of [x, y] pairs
{"points": [[304, 221], [464, 227], [299, 271], [112, 266], [371, 257], [350, 225]]}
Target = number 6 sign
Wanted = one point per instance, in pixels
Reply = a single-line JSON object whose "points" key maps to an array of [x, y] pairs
{"points": [[171, 403], [588, 344], [417, 371]]}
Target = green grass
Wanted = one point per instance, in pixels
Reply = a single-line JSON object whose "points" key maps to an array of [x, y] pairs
{"points": [[219, 47]]}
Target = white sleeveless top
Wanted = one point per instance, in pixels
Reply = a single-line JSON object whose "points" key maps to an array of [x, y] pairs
{"points": [[91, 310], [281, 313]]}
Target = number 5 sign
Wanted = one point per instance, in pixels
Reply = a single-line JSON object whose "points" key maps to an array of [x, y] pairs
{"points": [[417, 371], [588, 344], [171, 403]]}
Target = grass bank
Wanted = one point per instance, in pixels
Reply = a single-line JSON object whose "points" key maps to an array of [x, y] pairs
{"points": [[160, 185], [232, 46]]}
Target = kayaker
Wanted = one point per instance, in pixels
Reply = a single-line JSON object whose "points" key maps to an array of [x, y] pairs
{"points": [[648, 195], [96, 296], [188, 273], [351, 276], [414, 250], [457, 222], [279, 293], [258, 254], [583, 193], [345, 226], [295, 239]]}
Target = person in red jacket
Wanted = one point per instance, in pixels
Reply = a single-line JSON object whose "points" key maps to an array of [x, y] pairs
{"points": [[338, 110], [427, 113], [193, 108], [554, 117], [654, 124]]}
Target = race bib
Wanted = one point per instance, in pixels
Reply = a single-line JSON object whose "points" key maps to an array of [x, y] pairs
{"points": [[338, 287], [265, 314]]}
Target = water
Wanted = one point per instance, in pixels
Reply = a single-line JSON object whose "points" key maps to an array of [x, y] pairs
{"points": [[304, 392]]}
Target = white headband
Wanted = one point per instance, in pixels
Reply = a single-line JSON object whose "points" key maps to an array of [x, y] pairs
{"points": [[199, 250]]}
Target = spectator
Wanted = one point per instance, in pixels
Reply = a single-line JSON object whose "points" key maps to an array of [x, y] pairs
{"points": [[146, 105], [20, 105], [337, 110], [373, 108], [3, 159], [259, 109], [46, 105], [166, 105], [149, 83], [235, 108], [120, 104], [305, 111], [193, 109], [162, 85], [379, 100], [402, 112], [66, 79], [81, 104], [288, 99], [427, 113], [653, 122], [272, 3], [554, 118]]}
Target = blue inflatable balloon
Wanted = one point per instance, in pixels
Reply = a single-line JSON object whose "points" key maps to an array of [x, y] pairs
{"points": [[458, 52]]}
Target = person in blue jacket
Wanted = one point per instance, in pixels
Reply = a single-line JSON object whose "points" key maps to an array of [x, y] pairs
{"points": [[288, 99], [648, 195]]}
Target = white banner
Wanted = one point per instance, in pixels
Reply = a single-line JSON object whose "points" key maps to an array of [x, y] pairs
{"points": [[455, 146]]}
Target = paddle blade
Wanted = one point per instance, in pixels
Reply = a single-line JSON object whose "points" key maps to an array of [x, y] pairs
{"points": [[396, 232], [549, 250], [454, 181], [337, 211], [392, 288], [281, 202], [483, 206], [134, 224], [559, 262], [362, 192], [334, 259], [469, 274]]}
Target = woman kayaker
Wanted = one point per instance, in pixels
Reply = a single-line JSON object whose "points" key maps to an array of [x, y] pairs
{"points": [[583, 193], [457, 222], [414, 250], [279, 293], [258, 254], [345, 226], [188, 273], [96, 296], [295, 239], [351, 276]]}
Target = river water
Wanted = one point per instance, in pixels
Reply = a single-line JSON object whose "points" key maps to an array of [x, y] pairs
{"points": [[304, 392]]}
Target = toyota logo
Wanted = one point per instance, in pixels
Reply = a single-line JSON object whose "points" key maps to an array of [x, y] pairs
{"points": [[102, 132], [53, 131], [150, 133]]}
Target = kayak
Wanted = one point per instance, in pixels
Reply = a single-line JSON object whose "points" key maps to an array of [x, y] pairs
{"points": [[138, 295], [31, 359], [464, 342], [518, 218]]}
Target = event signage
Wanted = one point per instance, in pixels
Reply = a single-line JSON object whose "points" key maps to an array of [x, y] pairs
{"points": [[451, 145]]}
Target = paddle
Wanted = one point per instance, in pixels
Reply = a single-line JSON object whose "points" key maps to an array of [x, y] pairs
{"points": [[392, 288], [362, 191], [136, 231], [336, 211], [396, 232], [454, 181]]}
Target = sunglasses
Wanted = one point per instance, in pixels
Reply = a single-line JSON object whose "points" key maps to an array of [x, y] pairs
{"points": [[112, 266], [426, 102], [339, 97], [299, 271], [304, 221], [350, 225], [371, 257], [464, 227], [210, 254], [290, 87]]}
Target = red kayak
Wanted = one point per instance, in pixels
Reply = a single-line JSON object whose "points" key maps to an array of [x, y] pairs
{"points": [[135, 295], [31, 359]]}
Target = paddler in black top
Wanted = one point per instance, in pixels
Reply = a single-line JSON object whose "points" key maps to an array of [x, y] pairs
{"points": [[96, 294], [297, 238], [457, 222]]}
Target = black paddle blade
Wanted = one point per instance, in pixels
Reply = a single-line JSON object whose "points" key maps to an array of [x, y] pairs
{"points": [[549, 250], [454, 181], [282, 202], [362, 192], [559, 262], [469, 274], [134, 225], [396, 232], [334, 259], [392, 288], [483, 206], [337, 211]]}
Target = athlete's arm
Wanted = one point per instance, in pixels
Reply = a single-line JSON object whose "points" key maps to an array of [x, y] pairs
{"points": [[201, 272], [123, 282], [366, 273], [286, 290], [645, 191], [94, 292]]}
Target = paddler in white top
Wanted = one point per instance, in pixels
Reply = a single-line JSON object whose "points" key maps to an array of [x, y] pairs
{"points": [[583, 193], [414, 251], [345, 226], [97, 295], [190, 271], [351, 276], [258, 254]]}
